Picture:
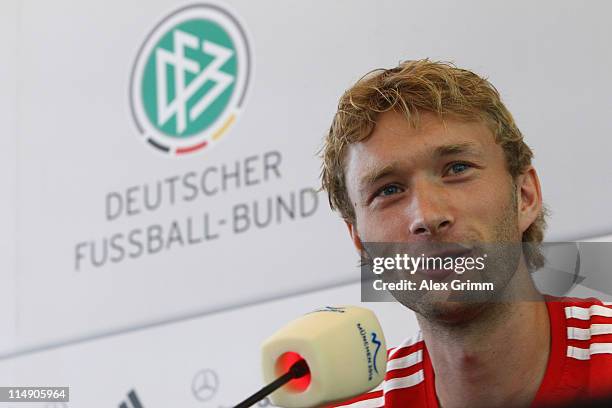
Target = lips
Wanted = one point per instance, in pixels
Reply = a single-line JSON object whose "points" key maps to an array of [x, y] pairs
{"points": [[437, 274], [452, 251], [447, 250]]}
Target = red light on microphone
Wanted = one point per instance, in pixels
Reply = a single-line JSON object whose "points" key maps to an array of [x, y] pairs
{"points": [[284, 363]]}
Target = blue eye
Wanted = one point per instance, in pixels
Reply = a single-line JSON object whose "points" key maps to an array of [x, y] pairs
{"points": [[389, 190], [459, 168]]}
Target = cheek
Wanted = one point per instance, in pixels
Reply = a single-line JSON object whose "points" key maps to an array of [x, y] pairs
{"points": [[391, 225], [493, 209]]}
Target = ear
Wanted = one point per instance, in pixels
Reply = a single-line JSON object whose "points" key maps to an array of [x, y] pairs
{"points": [[352, 228], [529, 196]]}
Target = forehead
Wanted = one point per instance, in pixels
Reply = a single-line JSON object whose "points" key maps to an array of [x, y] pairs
{"points": [[395, 141]]}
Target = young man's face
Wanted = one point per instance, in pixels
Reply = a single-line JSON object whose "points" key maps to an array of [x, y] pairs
{"points": [[442, 182]]}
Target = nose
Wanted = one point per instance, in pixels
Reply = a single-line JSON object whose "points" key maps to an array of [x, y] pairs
{"points": [[429, 210]]}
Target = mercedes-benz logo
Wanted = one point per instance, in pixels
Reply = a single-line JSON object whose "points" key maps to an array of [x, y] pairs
{"points": [[265, 403], [205, 384]]}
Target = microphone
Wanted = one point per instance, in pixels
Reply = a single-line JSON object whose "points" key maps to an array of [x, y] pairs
{"points": [[328, 355]]}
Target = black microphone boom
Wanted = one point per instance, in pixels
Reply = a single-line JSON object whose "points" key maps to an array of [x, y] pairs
{"points": [[298, 370]]}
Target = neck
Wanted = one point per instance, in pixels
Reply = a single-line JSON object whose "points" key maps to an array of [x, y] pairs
{"points": [[497, 359]]}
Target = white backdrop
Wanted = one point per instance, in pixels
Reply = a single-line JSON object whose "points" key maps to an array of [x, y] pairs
{"points": [[70, 142], [8, 175]]}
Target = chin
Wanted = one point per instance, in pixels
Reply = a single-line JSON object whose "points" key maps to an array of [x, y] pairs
{"points": [[436, 307], [451, 313]]}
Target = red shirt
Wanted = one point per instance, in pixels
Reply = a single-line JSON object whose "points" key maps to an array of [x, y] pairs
{"points": [[579, 366]]}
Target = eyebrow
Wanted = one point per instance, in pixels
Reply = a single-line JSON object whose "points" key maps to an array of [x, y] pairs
{"points": [[457, 148], [378, 173]]}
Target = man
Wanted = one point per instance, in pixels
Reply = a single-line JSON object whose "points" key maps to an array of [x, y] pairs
{"points": [[427, 153]]}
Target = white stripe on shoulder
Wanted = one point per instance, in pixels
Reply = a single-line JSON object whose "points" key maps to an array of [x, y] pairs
{"points": [[585, 353], [411, 341], [601, 348], [585, 313], [404, 362], [578, 353], [369, 403], [607, 303], [576, 333], [404, 382]]}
